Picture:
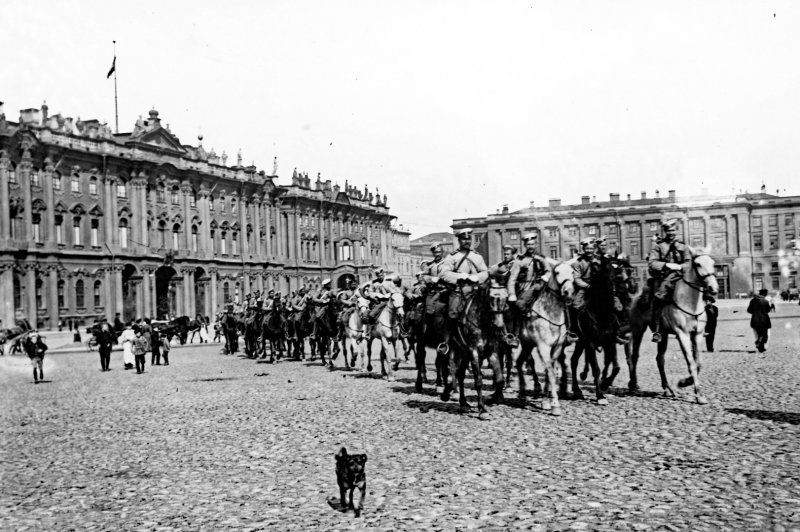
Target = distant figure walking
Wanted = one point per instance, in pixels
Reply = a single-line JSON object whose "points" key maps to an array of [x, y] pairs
{"points": [[759, 309], [35, 348], [127, 337], [712, 313]]}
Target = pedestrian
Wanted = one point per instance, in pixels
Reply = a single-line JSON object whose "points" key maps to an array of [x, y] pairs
{"points": [[759, 309], [105, 339], [35, 348], [127, 337], [165, 347], [155, 345], [139, 348], [712, 313]]}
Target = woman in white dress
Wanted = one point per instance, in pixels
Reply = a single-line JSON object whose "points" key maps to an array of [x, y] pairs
{"points": [[126, 339]]}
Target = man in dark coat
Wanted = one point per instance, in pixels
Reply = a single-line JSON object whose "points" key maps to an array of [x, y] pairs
{"points": [[759, 309], [712, 312]]}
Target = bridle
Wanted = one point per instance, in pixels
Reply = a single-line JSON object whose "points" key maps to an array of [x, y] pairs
{"points": [[701, 286]]}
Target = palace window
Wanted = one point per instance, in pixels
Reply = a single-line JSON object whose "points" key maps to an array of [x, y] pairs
{"points": [[60, 294], [773, 220], [162, 234], [720, 244], [756, 221], [788, 219], [654, 227], [773, 241], [633, 229], [223, 243], [39, 293], [513, 235], [194, 238], [95, 233], [122, 190], [634, 246], [758, 267], [345, 251], [212, 235], [193, 198], [12, 175], [174, 196], [697, 241], [161, 193], [37, 228], [235, 243], [147, 234], [98, 302], [93, 186], [234, 206], [123, 233], [553, 252], [776, 283], [176, 231], [774, 267], [592, 230], [36, 178], [221, 204], [210, 203], [79, 302], [76, 231], [59, 230], [758, 242], [552, 232], [19, 294], [57, 182], [76, 183], [612, 229], [226, 292]]}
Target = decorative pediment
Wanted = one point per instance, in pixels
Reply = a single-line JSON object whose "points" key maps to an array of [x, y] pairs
{"points": [[38, 205], [125, 212], [96, 210], [61, 208], [162, 139], [213, 224], [78, 209], [342, 198], [177, 219], [235, 226]]}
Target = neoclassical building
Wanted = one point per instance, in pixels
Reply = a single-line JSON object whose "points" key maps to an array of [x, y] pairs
{"points": [[94, 224], [751, 236]]}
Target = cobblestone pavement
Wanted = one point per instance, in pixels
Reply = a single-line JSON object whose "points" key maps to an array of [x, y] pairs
{"points": [[216, 442]]}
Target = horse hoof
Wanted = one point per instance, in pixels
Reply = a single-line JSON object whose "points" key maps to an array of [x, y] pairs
{"points": [[701, 400], [537, 391], [546, 405], [577, 396], [556, 411], [395, 366], [369, 368], [583, 375], [688, 381], [602, 402], [445, 397]]}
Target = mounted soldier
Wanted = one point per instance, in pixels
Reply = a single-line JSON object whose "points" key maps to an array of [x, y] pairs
{"points": [[377, 293], [460, 267], [297, 306], [320, 300], [584, 267], [499, 274], [664, 264], [526, 278]]}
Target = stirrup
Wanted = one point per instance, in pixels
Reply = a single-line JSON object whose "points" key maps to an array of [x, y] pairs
{"points": [[443, 348], [571, 338], [656, 337], [511, 340]]}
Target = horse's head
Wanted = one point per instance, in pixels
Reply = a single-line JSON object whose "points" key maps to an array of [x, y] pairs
{"points": [[396, 301], [702, 266], [362, 305], [562, 280]]}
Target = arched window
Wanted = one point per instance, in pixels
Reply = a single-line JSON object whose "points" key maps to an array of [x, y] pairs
{"points": [[122, 189], [226, 292], [123, 233], [36, 178], [161, 193], [211, 203], [194, 238], [176, 231], [98, 302], [235, 243], [223, 244], [93, 186], [222, 204], [79, 303], [175, 197], [236, 292], [212, 235], [147, 235], [162, 234], [193, 198], [76, 231], [18, 295], [345, 251], [39, 293], [57, 181], [76, 183], [36, 220], [60, 294], [12, 175], [234, 206], [95, 234]]}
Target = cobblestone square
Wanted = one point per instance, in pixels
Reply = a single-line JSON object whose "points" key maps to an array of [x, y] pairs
{"points": [[216, 442]]}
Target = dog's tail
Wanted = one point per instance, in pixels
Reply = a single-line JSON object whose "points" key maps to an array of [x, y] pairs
{"points": [[341, 454]]}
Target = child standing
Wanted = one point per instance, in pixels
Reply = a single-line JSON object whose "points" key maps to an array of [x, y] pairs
{"points": [[139, 348]]}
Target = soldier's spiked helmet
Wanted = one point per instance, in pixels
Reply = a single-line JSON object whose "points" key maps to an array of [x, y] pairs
{"points": [[672, 223]]}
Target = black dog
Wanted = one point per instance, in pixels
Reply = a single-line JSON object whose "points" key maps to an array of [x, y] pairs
{"points": [[350, 475]]}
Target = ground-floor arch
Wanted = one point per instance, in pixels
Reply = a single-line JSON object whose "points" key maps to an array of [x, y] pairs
{"points": [[166, 292]]}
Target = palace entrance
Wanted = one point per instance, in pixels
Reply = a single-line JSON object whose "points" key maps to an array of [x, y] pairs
{"points": [[166, 293]]}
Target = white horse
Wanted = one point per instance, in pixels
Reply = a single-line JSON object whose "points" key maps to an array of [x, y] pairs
{"points": [[355, 331], [684, 316], [385, 330], [545, 328]]}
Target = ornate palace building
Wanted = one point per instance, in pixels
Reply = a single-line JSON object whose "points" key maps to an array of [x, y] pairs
{"points": [[750, 236], [96, 224]]}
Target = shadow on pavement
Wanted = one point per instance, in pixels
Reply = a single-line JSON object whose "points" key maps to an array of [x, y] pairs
{"points": [[792, 418], [213, 379]]}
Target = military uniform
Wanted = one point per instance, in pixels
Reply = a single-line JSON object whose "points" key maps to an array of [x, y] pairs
{"points": [[583, 269], [525, 278], [377, 293], [665, 265], [498, 292], [435, 293], [459, 266]]}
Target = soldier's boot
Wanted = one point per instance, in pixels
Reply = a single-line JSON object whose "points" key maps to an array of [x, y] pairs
{"points": [[572, 325], [35, 378], [656, 319], [624, 334]]}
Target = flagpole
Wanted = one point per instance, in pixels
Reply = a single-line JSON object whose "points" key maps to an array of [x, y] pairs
{"points": [[116, 108]]}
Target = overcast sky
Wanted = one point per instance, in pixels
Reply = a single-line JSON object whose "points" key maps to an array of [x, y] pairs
{"points": [[451, 108]]}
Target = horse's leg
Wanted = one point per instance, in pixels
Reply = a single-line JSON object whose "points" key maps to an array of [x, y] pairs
{"points": [[461, 372], [419, 361], [662, 349], [562, 380], [591, 359], [449, 374], [632, 356], [369, 352], [574, 361], [693, 362], [477, 376], [495, 361], [551, 367], [611, 361]]}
